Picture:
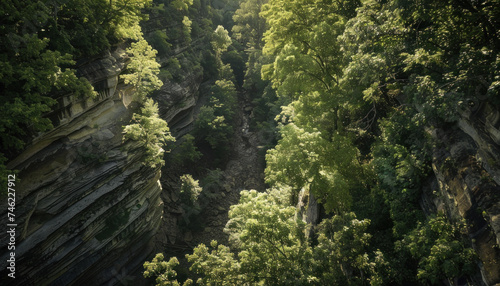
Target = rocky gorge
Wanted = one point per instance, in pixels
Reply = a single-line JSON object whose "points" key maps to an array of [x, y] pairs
{"points": [[89, 211]]}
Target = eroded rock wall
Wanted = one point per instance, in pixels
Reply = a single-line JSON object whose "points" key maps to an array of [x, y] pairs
{"points": [[86, 206], [177, 101], [466, 163]]}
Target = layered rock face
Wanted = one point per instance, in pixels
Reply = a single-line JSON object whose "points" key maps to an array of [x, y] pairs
{"points": [[467, 168], [177, 102], [86, 206]]}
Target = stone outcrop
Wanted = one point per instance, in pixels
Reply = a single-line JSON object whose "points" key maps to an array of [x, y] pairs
{"points": [[308, 210], [466, 163], [86, 206], [177, 101]]}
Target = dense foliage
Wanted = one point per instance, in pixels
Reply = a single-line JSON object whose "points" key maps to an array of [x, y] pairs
{"points": [[214, 124], [360, 83], [346, 93], [273, 249], [150, 131]]}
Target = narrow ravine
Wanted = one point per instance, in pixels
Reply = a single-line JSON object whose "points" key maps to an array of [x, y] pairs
{"points": [[244, 170]]}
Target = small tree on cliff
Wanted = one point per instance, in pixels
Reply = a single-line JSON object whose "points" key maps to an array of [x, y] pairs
{"points": [[151, 131], [147, 127], [144, 70]]}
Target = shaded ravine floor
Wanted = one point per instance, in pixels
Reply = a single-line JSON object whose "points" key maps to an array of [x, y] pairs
{"points": [[243, 171]]}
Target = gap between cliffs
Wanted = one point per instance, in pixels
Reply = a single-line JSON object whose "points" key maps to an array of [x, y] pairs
{"points": [[244, 170]]}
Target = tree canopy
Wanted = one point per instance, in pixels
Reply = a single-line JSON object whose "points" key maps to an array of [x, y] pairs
{"points": [[361, 84]]}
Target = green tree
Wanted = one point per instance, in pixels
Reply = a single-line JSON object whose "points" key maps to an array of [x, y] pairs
{"points": [[163, 271], [73, 28], [159, 41], [217, 266], [124, 16], [213, 124], [401, 161], [186, 24], [212, 128], [28, 79], [341, 253], [327, 168], [249, 24], [181, 4], [220, 41], [143, 70], [302, 38], [438, 247], [224, 98], [190, 189], [450, 54], [213, 181], [272, 248], [186, 152], [148, 128], [151, 132]]}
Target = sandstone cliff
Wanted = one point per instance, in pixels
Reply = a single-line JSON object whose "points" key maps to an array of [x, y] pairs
{"points": [[86, 207]]}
